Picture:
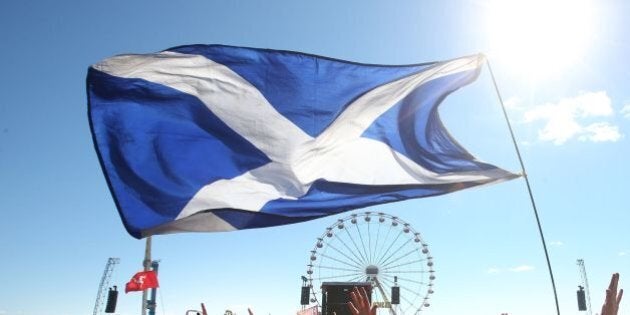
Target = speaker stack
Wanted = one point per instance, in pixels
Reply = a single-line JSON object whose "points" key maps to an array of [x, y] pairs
{"points": [[112, 298], [581, 299]]}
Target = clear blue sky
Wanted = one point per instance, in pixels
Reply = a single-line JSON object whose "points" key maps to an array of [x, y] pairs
{"points": [[59, 223]]}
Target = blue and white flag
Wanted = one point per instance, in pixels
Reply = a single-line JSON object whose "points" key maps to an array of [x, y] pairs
{"points": [[218, 138]]}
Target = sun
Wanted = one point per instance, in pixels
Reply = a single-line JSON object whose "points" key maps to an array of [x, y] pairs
{"points": [[539, 38]]}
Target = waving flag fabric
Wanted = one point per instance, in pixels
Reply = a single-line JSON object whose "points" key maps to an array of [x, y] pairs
{"points": [[141, 281], [219, 138]]}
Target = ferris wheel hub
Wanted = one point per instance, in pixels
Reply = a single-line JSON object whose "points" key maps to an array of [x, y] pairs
{"points": [[371, 270]]}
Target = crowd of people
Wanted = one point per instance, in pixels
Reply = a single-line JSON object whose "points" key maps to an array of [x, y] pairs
{"points": [[359, 303]]}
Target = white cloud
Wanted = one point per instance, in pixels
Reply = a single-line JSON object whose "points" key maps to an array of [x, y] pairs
{"points": [[556, 243], [569, 118], [625, 111], [601, 132], [622, 254], [522, 268]]}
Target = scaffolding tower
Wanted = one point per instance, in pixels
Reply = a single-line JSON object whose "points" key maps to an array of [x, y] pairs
{"points": [[580, 263], [102, 288]]}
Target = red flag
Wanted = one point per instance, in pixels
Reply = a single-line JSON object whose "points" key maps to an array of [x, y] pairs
{"points": [[141, 281]]}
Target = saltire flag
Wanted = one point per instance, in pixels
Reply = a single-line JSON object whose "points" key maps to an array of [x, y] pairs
{"points": [[141, 281], [219, 138]]}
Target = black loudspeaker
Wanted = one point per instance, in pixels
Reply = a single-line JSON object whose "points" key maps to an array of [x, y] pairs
{"points": [[336, 295], [112, 298], [395, 295], [304, 296], [581, 298]]}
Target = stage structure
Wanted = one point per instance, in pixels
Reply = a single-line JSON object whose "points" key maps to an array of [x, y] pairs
{"points": [[584, 294]]}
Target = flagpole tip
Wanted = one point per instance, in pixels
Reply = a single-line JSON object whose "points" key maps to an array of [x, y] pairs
{"points": [[482, 57]]}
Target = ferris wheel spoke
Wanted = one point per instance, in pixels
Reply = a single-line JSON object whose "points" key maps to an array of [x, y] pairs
{"points": [[369, 242], [409, 300], [337, 268], [414, 295], [355, 245], [339, 261], [406, 289], [357, 278], [350, 249], [383, 294], [401, 257], [367, 257], [342, 276], [386, 281], [344, 254], [389, 265], [394, 252], [387, 277], [378, 232], [382, 275], [389, 248], [405, 271], [411, 303], [391, 284], [410, 280], [386, 285], [384, 244]]}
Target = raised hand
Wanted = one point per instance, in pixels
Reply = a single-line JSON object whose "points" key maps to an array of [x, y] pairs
{"points": [[613, 297], [360, 304]]}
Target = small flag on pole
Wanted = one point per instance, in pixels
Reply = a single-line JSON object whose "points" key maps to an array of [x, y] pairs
{"points": [[141, 281], [218, 138]]}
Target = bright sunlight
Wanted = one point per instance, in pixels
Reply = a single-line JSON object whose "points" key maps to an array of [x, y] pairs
{"points": [[539, 38]]}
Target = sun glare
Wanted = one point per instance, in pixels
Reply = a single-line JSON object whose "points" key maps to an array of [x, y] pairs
{"points": [[538, 38]]}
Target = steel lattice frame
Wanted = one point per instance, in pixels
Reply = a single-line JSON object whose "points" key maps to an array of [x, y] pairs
{"points": [[104, 285]]}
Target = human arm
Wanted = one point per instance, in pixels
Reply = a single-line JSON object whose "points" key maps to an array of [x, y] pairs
{"points": [[360, 303], [613, 297]]}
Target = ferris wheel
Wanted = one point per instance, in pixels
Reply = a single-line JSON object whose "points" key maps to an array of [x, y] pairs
{"points": [[378, 248]]}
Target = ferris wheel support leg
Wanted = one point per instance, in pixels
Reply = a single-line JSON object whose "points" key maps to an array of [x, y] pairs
{"points": [[385, 298]]}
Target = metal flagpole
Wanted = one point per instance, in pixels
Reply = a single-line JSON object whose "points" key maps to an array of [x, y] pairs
{"points": [[152, 304], [147, 265], [529, 189]]}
